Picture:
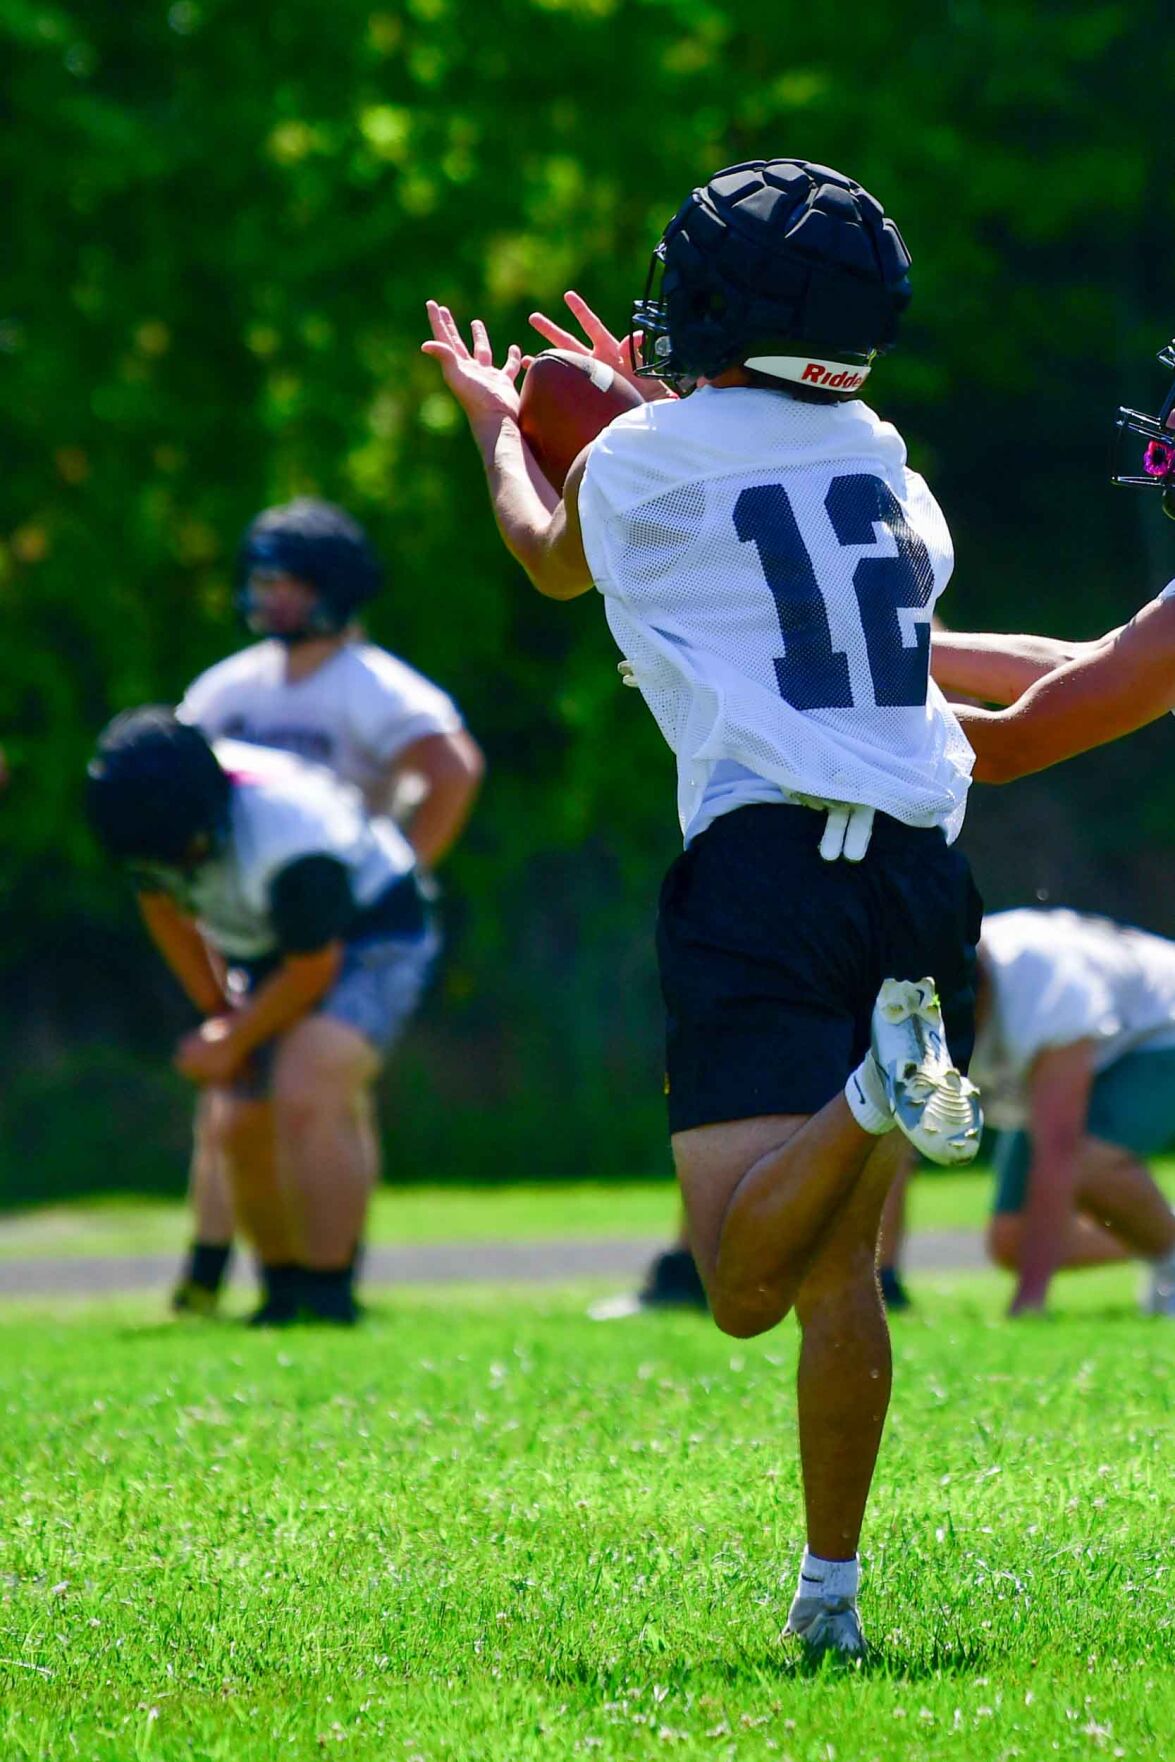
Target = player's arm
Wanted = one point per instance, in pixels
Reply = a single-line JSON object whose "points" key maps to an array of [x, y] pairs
{"points": [[451, 767], [311, 905], [994, 668], [1124, 682], [183, 948], [537, 529], [1059, 1087]]}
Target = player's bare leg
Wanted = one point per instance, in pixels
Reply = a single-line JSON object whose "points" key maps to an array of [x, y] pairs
{"points": [[324, 1141], [1121, 1214], [211, 1199], [206, 1264], [844, 1369], [245, 1131], [759, 1194], [843, 1386], [891, 1237]]}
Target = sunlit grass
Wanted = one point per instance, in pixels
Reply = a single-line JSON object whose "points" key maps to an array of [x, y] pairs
{"points": [[124, 1224], [486, 1528]]}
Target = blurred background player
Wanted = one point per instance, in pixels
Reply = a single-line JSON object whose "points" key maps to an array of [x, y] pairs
{"points": [[1075, 1054], [769, 567], [313, 686], [251, 860]]}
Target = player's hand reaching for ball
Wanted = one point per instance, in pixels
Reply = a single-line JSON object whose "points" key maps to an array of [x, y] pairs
{"points": [[482, 390], [615, 352]]}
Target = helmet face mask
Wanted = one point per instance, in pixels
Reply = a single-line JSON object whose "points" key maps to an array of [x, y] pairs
{"points": [[1157, 469], [317, 546], [780, 260], [276, 604]]}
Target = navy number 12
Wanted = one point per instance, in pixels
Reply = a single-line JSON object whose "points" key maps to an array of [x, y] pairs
{"points": [[811, 674]]}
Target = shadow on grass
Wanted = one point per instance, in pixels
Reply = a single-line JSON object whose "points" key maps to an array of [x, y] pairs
{"points": [[938, 1659]]}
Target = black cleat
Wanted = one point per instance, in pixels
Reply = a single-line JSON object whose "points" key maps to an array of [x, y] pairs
{"points": [[672, 1282], [893, 1293], [191, 1298]]}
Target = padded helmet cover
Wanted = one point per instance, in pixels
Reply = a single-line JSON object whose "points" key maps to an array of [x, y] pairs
{"points": [[769, 252]]}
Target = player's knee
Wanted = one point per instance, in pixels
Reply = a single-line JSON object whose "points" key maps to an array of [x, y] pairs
{"points": [[300, 1102], [744, 1314], [1003, 1241]]}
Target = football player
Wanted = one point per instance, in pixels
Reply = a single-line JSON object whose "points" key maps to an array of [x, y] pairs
{"points": [[1076, 1055], [768, 566], [249, 860], [313, 686], [1066, 698]]}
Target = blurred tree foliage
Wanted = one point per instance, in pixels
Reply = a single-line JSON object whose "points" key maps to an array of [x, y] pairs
{"points": [[222, 222]]}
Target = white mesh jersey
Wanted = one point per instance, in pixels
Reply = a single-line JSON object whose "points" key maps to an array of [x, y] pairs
{"points": [[769, 567], [284, 809], [356, 713]]}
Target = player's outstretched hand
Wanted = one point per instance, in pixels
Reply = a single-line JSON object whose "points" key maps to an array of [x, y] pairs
{"points": [[615, 352], [481, 389]]}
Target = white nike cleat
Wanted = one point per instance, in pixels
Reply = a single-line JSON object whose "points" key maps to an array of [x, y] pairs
{"points": [[827, 1624], [933, 1104]]}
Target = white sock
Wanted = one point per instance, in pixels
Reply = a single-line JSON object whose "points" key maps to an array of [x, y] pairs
{"points": [[828, 1578], [868, 1102]]}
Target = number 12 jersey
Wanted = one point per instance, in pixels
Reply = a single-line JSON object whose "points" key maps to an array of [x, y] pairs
{"points": [[770, 567]]}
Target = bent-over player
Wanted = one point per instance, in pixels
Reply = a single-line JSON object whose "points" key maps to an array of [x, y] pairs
{"points": [[1075, 1052], [768, 565], [250, 860], [313, 686]]}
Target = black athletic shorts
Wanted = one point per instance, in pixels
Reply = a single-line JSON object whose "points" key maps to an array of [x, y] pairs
{"points": [[771, 959]]}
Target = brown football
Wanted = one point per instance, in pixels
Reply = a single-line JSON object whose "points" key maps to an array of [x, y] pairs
{"points": [[567, 400]]}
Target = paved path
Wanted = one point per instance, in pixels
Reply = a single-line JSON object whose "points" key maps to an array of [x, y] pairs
{"points": [[620, 1258]]}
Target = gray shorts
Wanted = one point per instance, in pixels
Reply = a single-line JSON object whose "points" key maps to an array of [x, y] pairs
{"points": [[1132, 1103], [378, 991]]}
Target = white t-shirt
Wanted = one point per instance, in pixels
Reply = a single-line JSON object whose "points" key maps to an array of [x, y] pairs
{"points": [[354, 714], [284, 809], [1057, 977], [769, 567]]}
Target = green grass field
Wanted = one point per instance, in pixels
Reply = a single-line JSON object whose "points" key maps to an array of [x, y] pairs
{"points": [[514, 1212], [486, 1528]]}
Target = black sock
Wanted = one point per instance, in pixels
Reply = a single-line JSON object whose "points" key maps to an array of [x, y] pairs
{"points": [[282, 1281], [329, 1292], [208, 1264]]}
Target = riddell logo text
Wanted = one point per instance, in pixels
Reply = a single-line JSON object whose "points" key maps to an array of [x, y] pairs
{"points": [[844, 381]]}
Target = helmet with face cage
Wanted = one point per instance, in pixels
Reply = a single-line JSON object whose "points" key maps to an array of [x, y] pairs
{"points": [[1157, 467], [787, 267]]}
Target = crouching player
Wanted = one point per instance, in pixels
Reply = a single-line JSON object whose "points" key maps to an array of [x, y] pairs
{"points": [[1076, 1056], [313, 686], [252, 863], [769, 566]]}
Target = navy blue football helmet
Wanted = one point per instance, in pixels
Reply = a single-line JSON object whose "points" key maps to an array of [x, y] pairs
{"points": [[783, 265], [1158, 458], [316, 543], [156, 795]]}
